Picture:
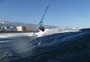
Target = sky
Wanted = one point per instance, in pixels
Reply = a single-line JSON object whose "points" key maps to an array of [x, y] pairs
{"points": [[62, 13]]}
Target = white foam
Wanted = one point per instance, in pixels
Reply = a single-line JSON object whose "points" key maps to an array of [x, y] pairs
{"points": [[6, 35], [39, 34], [54, 31]]}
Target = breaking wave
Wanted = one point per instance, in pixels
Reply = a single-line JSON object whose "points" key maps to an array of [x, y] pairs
{"points": [[55, 31], [53, 45]]}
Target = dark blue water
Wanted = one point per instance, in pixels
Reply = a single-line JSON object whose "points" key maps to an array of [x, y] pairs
{"points": [[61, 47]]}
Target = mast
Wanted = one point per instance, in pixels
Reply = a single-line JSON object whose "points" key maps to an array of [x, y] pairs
{"points": [[41, 21]]}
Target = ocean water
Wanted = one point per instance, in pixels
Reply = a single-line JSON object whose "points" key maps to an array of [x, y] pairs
{"points": [[55, 45]]}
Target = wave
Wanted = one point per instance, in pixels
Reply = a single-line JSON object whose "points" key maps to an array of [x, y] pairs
{"points": [[7, 35], [55, 31], [60, 47], [53, 45], [39, 34]]}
